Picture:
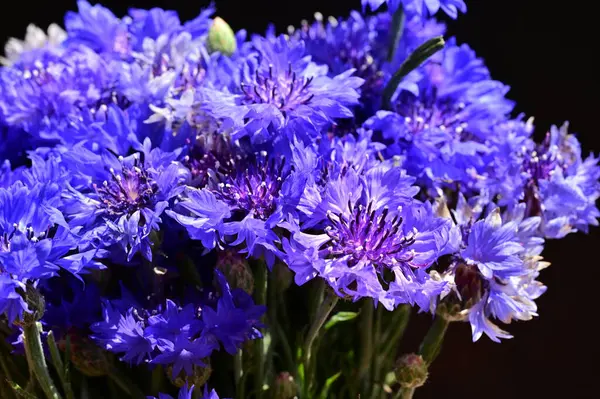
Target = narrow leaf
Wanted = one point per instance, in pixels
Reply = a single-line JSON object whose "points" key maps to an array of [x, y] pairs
{"points": [[339, 318], [21, 393], [412, 62], [328, 384], [396, 32]]}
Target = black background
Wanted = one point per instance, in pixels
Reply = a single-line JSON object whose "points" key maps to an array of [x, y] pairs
{"points": [[547, 54]]}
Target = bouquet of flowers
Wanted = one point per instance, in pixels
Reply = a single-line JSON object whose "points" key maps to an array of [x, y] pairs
{"points": [[186, 210]]}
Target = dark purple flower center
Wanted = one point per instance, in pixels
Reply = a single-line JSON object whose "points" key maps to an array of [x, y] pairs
{"points": [[420, 116], [368, 235], [539, 164], [253, 186], [127, 192], [210, 153], [284, 90]]}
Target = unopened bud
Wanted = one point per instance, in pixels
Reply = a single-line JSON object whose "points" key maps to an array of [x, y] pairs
{"points": [[35, 304], [236, 270], [198, 378], [87, 357], [221, 37], [285, 386], [411, 371], [451, 311]]}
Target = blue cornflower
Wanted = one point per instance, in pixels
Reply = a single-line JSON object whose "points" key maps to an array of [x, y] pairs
{"points": [[421, 7], [99, 29], [12, 304], [181, 337], [123, 333], [35, 240], [173, 322], [235, 320], [123, 198], [561, 187], [47, 90], [70, 303], [242, 205], [493, 272], [551, 178], [443, 131], [156, 22], [186, 393], [369, 225], [281, 88], [361, 43], [184, 353]]}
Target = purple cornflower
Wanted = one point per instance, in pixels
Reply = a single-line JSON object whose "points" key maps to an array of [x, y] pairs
{"points": [[186, 393], [552, 178], [123, 199], [46, 90], [242, 205], [492, 274], [281, 88], [370, 225], [420, 7], [443, 131], [99, 29]]}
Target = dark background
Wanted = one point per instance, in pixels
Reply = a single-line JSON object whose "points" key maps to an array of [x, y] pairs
{"points": [[546, 53]]}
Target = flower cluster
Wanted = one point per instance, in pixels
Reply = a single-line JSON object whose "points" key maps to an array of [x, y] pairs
{"points": [[151, 167]]}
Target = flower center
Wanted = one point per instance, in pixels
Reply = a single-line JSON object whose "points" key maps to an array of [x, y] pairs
{"points": [[368, 235], [253, 187], [420, 116], [209, 153], [284, 90], [127, 192]]}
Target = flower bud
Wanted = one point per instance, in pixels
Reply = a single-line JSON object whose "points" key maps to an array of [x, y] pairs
{"points": [[36, 305], [285, 387], [199, 377], [221, 37], [283, 275], [236, 270], [411, 371], [87, 357]]}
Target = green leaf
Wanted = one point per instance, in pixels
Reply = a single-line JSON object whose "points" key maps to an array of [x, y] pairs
{"points": [[328, 384], [339, 318], [412, 62], [21, 393], [396, 32]]}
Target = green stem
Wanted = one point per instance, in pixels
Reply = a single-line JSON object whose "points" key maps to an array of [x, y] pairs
{"points": [[59, 366], [400, 323], [36, 359], [405, 393], [260, 298], [238, 371], [287, 349], [323, 311], [430, 347], [386, 347], [366, 333], [397, 29], [125, 384]]}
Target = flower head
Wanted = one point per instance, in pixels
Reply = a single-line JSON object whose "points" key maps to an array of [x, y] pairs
{"points": [[374, 241], [123, 198], [493, 272], [281, 88], [420, 7], [442, 132]]}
